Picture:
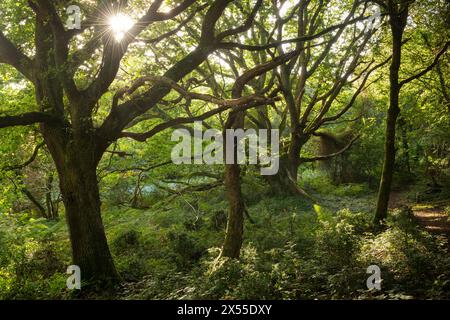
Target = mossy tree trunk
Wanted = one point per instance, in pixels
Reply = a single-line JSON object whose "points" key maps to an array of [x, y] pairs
{"points": [[236, 207], [397, 18]]}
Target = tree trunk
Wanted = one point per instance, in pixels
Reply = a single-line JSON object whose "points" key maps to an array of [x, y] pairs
{"points": [[388, 166], [404, 134], [398, 23], [235, 224], [285, 181], [52, 209], [76, 163], [137, 194], [35, 202]]}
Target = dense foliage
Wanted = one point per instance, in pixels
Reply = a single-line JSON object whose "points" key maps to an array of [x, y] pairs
{"points": [[86, 177]]}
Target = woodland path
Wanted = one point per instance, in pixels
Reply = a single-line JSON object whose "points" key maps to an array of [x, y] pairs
{"points": [[430, 215]]}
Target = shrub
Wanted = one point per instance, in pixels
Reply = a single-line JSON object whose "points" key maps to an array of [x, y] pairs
{"points": [[186, 248]]}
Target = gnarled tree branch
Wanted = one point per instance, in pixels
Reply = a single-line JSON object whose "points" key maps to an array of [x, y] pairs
{"points": [[27, 119], [427, 69], [9, 54], [26, 163], [332, 155]]}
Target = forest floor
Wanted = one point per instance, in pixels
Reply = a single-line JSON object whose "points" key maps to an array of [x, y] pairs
{"points": [[431, 215], [292, 251]]}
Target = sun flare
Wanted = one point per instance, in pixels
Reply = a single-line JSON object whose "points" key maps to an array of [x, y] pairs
{"points": [[120, 24]]}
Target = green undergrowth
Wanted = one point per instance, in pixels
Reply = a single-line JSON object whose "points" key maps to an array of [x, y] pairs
{"points": [[292, 250]]}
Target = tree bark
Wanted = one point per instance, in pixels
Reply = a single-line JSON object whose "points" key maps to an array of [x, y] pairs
{"points": [[398, 24], [137, 194], [87, 235], [52, 209], [35, 202], [284, 182], [76, 161], [404, 134], [388, 166], [235, 224]]}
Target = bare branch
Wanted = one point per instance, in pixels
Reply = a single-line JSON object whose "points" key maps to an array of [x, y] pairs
{"points": [[275, 44], [429, 68], [161, 16], [332, 155], [184, 120], [174, 31], [27, 119], [125, 113], [197, 96], [356, 94], [245, 26], [26, 163], [9, 54], [113, 52]]}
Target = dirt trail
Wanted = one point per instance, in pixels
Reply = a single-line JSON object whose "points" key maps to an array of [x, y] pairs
{"points": [[433, 218], [430, 215]]}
